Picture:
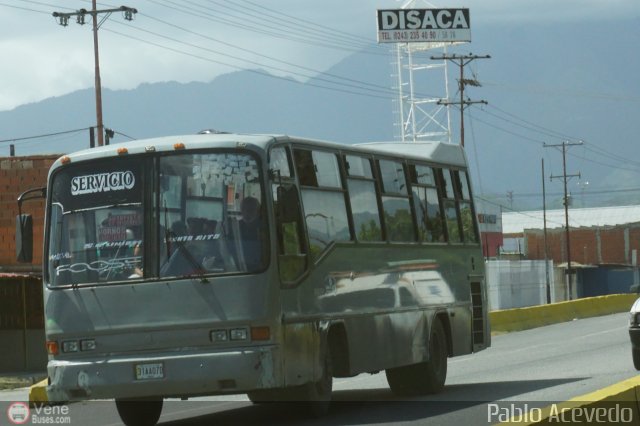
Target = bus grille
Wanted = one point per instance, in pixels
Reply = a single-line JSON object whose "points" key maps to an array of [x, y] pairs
{"points": [[477, 313]]}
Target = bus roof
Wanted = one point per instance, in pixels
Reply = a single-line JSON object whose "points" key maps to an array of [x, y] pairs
{"points": [[433, 151]]}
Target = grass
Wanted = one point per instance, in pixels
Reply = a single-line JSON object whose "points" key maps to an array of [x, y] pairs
{"points": [[17, 382]]}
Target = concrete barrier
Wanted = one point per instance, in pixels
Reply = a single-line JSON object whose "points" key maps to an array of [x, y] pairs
{"points": [[537, 316], [38, 393]]}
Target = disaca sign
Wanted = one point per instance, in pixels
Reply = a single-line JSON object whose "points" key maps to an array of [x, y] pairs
{"points": [[423, 25]]}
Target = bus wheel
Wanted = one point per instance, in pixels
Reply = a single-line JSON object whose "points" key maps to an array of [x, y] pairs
{"points": [[139, 412], [425, 377], [636, 358]]}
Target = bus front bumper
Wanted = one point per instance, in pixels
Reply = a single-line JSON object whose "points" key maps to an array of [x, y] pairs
{"points": [[165, 374]]}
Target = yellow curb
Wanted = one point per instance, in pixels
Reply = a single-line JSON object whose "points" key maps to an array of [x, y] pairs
{"points": [[619, 396], [38, 393], [517, 319]]}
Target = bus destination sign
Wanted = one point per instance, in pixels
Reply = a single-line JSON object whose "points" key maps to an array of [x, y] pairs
{"points": [[423, 25]]}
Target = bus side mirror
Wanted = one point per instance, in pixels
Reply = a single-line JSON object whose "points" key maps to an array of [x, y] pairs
{"points": [[24, 238]]}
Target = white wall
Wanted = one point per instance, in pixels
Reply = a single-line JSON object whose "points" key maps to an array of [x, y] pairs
{"points": [[518, 283]]}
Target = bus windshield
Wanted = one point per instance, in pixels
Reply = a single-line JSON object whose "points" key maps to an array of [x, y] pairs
{"points": [[208, 219], [96, 223], [211, 214]]}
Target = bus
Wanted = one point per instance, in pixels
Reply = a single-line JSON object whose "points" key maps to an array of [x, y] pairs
{"points": [[216, 264]]}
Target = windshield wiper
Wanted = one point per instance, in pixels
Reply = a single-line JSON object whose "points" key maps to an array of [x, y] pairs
{"points": [[197, 265], [183, 251]]}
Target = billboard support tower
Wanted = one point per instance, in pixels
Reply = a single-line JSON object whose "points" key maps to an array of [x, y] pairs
{"points": [[420, 117], [414, 31]]}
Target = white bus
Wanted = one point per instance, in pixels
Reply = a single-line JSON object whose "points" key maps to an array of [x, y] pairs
{"points": [[220, 264]]}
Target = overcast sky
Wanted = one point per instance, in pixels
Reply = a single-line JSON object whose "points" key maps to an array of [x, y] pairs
{"points": [[196, 40]]}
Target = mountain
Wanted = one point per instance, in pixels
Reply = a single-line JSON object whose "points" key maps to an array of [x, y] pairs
{"points": [[544, 83]]}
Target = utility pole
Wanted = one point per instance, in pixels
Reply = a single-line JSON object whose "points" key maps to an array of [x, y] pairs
{"points": [[462, 61], [80, 15], [544, 224], [565, 177]]}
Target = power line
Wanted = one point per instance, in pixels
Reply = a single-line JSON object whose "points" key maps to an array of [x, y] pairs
{"points": [[537, 141], [372, 91], [293, 24], [24, 8], [545, 130], [588, 146], [298, 19], [523, 213], [254, 71], [260, 27], [44, 135], [236, 47], [122, 134]]}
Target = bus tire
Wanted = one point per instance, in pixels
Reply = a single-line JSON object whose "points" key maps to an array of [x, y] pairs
{"points": [[635, 353], [139, 412], [426, 377]]}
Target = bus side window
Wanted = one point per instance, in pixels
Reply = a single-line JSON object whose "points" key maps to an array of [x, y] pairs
{"points": [[467, 218], [292, 257], [450, 207], [398, 216], [426, 204]]}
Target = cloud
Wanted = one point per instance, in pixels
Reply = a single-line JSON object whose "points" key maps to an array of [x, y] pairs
{"points": [[46, 59]]}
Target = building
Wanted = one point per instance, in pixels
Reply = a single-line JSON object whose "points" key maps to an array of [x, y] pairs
{"points": [[21, 305], [17, 174], [490, 226], [600, 235], [604, 246]]}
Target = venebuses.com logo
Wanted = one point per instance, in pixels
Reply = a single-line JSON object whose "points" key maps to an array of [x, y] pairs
{"points": [[18, 413]]}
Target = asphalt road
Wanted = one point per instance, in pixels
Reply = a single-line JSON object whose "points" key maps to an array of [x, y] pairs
{"points": [[533, 368]]}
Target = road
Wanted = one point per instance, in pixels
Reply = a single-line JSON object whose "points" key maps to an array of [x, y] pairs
{"points": [[534, 367]]}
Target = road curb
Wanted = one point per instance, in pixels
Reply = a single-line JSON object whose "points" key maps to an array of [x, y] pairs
{"points": [[615, 404], [38, 393], [537, 316]]}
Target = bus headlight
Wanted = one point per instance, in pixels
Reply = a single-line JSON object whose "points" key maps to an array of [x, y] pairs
{"points": [[219, 336], [238, 334], [87, 345], [70, 346]]}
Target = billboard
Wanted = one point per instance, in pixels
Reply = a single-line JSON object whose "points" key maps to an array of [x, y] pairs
{"points": [[423, 25]]}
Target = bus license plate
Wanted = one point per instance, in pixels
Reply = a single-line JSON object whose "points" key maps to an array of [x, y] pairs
{"points": [[149, 371]]}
